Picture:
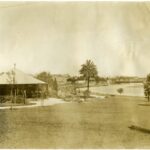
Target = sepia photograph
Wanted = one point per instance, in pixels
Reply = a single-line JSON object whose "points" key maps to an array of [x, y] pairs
{"points": [[74, 74]]}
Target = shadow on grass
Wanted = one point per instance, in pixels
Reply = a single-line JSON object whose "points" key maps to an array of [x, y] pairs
{"points": [[144, 104], [137, 128]]}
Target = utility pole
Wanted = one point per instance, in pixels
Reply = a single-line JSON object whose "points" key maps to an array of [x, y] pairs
{"points": [[12, 86], [14, 82]]}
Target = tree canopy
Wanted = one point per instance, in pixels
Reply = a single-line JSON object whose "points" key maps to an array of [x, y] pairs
{"points": [[88, 69], [45, 76], [48, 78]]}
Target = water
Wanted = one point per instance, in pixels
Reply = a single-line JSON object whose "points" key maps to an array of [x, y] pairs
{"points": [[129, 89]]}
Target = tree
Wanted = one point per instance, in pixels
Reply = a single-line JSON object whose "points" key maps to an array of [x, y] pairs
{"points": [[46, 77], [55, 85], [147, 87], [120, 90], [73, 81], [50, 80], [100, 79], [88, 70], [97, 79]]}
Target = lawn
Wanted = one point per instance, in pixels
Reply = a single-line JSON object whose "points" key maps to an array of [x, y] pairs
{"points": [[92, 124]]}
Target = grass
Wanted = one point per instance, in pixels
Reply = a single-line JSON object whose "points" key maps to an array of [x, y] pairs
{"points": [[98, 124]]}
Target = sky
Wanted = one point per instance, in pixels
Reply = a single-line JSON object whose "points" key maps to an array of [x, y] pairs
{"points": [[59, 37]]}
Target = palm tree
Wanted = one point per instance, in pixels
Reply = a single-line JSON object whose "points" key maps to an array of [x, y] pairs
{"points": [[88, 70]]}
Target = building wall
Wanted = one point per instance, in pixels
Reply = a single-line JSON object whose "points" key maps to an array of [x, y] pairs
{"points": [[32, 90]]}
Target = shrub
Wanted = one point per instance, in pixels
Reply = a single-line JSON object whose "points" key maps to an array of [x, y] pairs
{"points": [[86, 94], [120, 90]]}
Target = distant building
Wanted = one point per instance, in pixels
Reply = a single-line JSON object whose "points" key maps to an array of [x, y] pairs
{"points": [[126, 79]]}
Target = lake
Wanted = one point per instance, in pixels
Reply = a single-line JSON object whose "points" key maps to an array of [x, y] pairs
{"points": [[129, 89]]}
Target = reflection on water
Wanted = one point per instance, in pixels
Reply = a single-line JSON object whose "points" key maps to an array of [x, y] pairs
{"points": [[130, 89]]}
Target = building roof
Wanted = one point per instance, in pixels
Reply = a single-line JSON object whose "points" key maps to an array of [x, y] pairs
{"points": [[16, 76]]}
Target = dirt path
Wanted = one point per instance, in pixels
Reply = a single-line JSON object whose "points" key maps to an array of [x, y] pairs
{"points": [[40, 102]]}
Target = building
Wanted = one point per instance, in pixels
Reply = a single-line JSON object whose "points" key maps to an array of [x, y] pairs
{"points": [[126, 79], [17, 82]]}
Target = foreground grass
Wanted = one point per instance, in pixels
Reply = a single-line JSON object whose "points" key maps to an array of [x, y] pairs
{"points": [[97, 124]]}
